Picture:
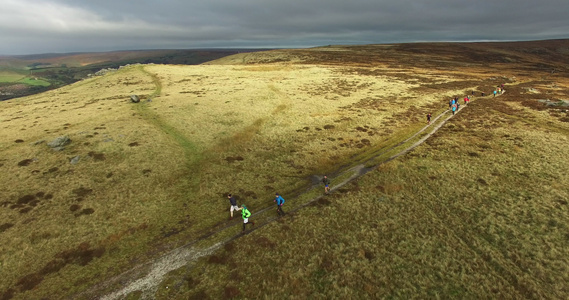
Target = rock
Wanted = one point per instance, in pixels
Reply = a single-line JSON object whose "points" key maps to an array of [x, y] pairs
{"points": [[134, 99], [75, 160], [59, 143], [104, 71]]}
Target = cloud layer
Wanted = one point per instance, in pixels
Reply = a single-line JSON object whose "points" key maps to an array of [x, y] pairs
{"points": [[38, 26]]}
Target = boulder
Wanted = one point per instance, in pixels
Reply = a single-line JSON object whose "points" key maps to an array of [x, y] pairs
{"points": [[75, 160], [134, 99], [59, 143]]}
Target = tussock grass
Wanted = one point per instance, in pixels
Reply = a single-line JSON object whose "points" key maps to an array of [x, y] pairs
{"points": [[154, 175], [477, 212], [207, 130]]}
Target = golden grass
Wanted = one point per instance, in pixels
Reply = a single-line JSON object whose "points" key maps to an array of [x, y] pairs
{"points": [[252, 130], [455, 218]]}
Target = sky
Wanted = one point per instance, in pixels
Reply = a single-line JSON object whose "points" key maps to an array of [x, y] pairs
{"points": [[48, 26]]}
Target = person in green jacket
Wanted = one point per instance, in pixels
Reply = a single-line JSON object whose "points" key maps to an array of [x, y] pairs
{"points": [[245, 213]]}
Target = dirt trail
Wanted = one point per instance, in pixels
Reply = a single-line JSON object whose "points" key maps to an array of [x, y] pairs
{"points": [[147, 277]]}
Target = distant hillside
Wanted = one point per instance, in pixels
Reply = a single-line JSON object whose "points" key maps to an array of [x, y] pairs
{"points": [[30, 74]]}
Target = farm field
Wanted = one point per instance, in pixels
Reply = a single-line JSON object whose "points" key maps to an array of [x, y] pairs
{"points": [[10, 76], [479, 210]]}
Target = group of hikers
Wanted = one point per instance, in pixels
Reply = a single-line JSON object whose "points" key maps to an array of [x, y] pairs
{"points": [[454, 105], [279, 200]]}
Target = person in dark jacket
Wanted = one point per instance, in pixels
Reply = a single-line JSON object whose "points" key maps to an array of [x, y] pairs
{"points": [[326, 181], [280, 201], [234, 206]]}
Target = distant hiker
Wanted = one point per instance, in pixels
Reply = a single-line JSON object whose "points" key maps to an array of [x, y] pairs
{"points": [[472, 93], [326, 181], [234, 206], [280, 201], [245, 213], [502, 86], [428, 122], [465, 100], [495, 93], [454, 108], [450, 103], [483, 94]]}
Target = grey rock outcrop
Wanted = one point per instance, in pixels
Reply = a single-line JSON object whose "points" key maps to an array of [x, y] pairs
{"points": [[134, 99], [59, 143]]}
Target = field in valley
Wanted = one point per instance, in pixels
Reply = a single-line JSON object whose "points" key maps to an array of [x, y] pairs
{"points": [[477, 211]]}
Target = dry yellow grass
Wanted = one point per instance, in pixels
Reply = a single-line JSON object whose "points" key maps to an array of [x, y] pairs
{"points": [[252, 130], [247, 125], [480, 211]]}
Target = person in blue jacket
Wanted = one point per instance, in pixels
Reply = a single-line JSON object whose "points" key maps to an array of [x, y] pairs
{"points": [[280, 201]]}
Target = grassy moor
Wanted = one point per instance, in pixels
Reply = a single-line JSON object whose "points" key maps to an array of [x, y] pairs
{"points": [[133, 205]]}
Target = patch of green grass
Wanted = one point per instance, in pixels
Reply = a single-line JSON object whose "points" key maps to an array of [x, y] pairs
{"points": [[34, 82], [10, 76]]}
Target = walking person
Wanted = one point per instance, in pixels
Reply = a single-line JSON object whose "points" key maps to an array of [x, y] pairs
{"points": [[326, 182], [495, 93], [428, 122], [454, 108], [280, 201], [245, 213], [233, 204]]}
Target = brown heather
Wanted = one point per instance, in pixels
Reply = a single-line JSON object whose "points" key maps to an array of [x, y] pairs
{"points": [[477, 211]]}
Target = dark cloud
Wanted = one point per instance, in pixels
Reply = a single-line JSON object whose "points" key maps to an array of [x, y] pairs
{"points": [[32, 26]]}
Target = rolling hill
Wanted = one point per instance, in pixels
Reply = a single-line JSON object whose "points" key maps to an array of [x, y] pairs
{"points": [[135, 204]]}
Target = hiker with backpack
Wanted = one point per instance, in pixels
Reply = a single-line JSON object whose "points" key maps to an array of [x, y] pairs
{"points": [[280, 201], [326, 182], [245, 213]]}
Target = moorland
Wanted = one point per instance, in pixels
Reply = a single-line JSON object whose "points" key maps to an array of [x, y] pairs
{"points": [[471, 206], [23, 75]]}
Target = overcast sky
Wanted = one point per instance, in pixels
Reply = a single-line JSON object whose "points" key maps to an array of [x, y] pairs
{"points": [[42, 26]]}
